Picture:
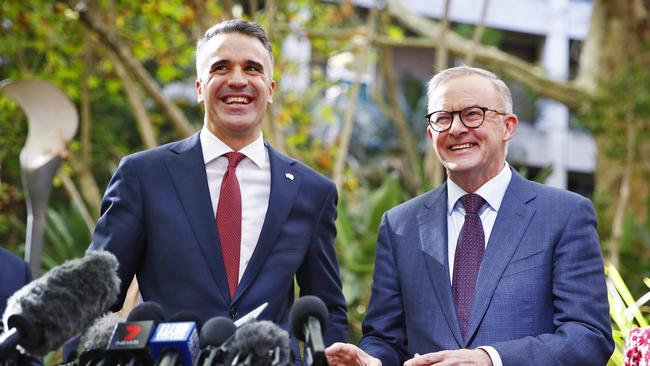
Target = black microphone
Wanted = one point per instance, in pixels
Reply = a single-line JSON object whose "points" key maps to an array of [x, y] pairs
{"points": [[259, 343], [129, 341], [308, 317], [45, 313], [148, 310], [216, 335], [176, 342]]}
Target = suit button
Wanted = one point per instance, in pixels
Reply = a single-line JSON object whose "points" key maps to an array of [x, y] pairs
{"points": [[233, 312]]}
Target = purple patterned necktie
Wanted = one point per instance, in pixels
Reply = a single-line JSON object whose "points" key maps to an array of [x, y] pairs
{"points": [[229, 220], [469, 254]]}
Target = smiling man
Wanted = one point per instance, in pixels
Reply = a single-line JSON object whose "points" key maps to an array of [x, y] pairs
{"points": [[220, 223], [489, 268]]}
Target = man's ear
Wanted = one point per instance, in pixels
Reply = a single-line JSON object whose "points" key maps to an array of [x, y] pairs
{"points": [[199, 92], [271, 88], [511, 124]]}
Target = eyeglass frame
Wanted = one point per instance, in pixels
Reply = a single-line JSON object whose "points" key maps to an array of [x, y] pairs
{"points": [[460, 114]]}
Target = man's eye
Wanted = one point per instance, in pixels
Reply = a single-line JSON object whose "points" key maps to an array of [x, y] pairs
{"points": [[253, 68], [216, 68]]}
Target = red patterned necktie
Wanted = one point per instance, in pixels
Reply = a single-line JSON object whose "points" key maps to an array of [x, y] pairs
{"points": [[229, 220], [469, 254]]}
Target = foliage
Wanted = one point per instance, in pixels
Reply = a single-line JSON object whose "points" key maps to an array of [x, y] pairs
{"points": [[359, 216], [626, 312], [491, 37], [66, 236], [619, 118]]}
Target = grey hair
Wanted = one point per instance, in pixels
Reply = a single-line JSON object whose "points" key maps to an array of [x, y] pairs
{"points": [[235, 26], [454, 72]]}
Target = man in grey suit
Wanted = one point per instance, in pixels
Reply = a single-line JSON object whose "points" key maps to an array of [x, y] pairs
{"points": [[489, 268]]}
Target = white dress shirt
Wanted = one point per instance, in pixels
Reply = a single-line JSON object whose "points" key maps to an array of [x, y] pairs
{"points": [[492, 192], [254, 176]]}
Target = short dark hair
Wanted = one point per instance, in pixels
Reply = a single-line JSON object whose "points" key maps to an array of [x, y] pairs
{"points": [[236, 26]]}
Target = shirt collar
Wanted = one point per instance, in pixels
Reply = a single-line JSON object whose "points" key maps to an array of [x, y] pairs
{"points": [[492, 191], [213, 148]]}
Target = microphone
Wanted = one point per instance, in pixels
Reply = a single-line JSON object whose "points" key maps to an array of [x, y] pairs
{"points": [[214, 339], [148, 310], [307, 318], [45, 313], [259, 343], [187, 316], [93, 342], [177, 342], [128, 343], [99, 333]]}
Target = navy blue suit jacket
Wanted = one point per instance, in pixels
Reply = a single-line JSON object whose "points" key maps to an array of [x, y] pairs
{"points": [[540, 294], [157, 218], [14, 274]]}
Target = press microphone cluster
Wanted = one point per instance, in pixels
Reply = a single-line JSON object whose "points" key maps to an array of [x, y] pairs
{"points": [[45, 313], [144, 339]]}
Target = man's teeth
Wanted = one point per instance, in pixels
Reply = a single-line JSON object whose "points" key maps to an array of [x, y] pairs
{"points": [[243, 100], [463, 146]]}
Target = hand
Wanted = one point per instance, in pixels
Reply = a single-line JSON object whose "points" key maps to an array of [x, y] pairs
{"points": [[345, 354], [468, 357]]}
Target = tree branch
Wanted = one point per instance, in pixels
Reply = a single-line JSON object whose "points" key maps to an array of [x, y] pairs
{"points": [[529, 74], [348, 122], [135, 68]]}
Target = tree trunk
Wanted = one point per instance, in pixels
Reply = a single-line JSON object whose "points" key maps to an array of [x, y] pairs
{"points": [[408, 142], [361, 55]]}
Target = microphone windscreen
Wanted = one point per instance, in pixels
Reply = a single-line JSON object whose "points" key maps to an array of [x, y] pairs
{"points": [[99, 333], [305, 307], [148, 310], [187, 316], [67, 299], [216, 331], [260, 339]]}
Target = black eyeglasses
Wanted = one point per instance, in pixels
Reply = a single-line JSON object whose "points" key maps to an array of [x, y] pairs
{"points": [[470, 117]]}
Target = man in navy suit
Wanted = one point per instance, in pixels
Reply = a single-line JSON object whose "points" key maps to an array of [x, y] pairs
{"points": [[489, 268], [167, 219], [14, 274]]}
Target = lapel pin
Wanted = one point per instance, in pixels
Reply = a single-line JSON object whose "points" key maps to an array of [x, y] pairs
{"points": [[288, 176]]}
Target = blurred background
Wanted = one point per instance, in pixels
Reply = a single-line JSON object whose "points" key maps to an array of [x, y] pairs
{"points": [[350, 102]]}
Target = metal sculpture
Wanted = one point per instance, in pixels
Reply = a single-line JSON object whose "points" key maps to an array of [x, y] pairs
{"points": [[53, 122]]}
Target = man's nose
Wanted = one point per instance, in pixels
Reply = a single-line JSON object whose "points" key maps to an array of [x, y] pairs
{"points": [[457, 125], [237, 78]]}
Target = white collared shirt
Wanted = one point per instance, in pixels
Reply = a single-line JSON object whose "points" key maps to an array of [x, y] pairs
{"points": [[492, 192], [254, 176]]}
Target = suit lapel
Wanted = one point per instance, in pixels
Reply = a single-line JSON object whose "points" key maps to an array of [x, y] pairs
{"points": [[512, 220], [187, 170], [433, 241], [285, 184]]}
